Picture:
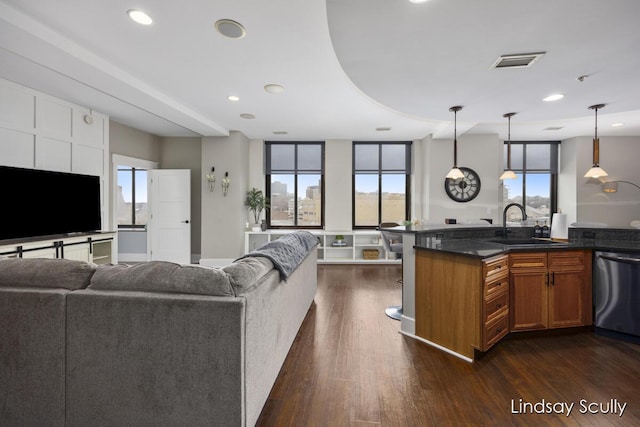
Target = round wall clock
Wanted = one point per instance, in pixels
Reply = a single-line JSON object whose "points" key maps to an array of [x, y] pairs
{"points": [[464, 189]]}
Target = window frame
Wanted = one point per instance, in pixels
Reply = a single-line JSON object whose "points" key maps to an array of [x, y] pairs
{"points": [[380, 172], [552, 170], [133, 162], [133, 171], [295, 172]]}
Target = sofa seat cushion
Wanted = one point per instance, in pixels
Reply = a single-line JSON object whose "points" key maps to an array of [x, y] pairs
{"points": [[45, 273], [162, 276], [246, 272]]}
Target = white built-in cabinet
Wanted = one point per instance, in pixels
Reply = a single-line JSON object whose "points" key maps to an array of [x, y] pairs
{"points": [[352, 250], [89, 247]]}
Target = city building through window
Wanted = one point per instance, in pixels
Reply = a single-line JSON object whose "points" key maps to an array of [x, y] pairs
{"points": [[295, 184], [381, 183]]}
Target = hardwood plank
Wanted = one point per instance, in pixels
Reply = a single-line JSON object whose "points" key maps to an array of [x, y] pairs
{"points": [[349, 366]]}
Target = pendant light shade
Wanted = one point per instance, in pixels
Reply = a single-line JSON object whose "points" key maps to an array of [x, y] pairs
{"points": [[508, 173], [455, 173], [596, 171]]}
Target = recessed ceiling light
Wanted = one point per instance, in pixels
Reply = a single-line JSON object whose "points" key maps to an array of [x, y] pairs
{"points": [[280, 132], [553, 128], [383, 129], [617, 124], [418, 1], [139, 16], [230, 28], [553, 97], [274, 88], [247, 116], [233, 98]]}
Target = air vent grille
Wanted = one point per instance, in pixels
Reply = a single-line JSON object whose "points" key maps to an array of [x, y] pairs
{"points": [[521, 60]]}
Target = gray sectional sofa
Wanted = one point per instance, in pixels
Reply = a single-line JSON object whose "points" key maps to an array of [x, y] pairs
{"points": [[153, 344]]}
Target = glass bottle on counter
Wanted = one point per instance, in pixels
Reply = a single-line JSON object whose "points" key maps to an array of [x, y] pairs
{"points": [[546, 232], [537, 230]]}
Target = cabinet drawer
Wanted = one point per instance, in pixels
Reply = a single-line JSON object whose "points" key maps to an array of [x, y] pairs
{"points": [[498, 285], [528, 260], [495, 330], [563, 259], [496, 306], [496, 267]]}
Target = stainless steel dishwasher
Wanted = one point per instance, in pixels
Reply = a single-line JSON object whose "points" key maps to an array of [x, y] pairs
{"points": [[616, 294]]}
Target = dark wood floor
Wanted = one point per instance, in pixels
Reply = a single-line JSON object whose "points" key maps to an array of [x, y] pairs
{"points": [[349, 366]]}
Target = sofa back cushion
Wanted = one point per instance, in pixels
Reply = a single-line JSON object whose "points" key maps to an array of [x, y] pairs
{"points": [[162, 276], [45, 273], [246, 272]]}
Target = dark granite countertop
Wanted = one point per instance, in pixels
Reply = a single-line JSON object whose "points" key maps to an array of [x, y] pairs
{"points": [[483, 241]]}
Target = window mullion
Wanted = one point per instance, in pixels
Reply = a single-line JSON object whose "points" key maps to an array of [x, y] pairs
{"points": [[133, 196]]}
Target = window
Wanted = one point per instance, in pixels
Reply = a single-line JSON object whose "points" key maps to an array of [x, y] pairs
{"points": [[536, 166], [295, 184], [381, 183], [131, 202]]}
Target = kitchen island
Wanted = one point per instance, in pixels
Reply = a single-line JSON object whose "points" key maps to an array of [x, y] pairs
{"points": [[464, 289]]}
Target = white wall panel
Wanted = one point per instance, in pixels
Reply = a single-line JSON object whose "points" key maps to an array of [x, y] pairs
{"points": [[53, 154], [85, 133], [16, 148], [87, 160], [17, 108], [53, 118]]}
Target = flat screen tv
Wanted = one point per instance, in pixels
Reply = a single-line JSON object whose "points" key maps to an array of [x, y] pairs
{"points": [[42, 203]]}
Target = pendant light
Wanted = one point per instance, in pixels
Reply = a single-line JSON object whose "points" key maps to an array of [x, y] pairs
{"points": [[508, 173], [455, 173], [596, 171]]}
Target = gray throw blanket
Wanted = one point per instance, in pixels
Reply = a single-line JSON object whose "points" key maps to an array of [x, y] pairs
{"points": [[287, 252]]}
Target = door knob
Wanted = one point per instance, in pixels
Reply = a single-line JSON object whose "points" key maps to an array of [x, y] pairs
{"points": [[186, 221]]}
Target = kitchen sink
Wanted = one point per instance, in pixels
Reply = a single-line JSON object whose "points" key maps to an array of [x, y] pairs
{"points": [[525, 242]]}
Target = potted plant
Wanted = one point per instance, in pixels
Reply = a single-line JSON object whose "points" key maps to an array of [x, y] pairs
{"points": [[256, 202], [339, 239]]}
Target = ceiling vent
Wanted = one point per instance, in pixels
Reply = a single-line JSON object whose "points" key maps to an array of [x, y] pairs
{"points": [[522, 60]]}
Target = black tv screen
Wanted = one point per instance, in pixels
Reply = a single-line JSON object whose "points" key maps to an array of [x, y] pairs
{"points": [[43, 203]]}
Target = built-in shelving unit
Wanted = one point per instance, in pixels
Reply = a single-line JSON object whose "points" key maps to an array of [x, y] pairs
{"points": [[353, 249], [97, 248]]}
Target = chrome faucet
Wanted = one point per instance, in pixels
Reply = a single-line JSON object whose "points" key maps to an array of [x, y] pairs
{"points": [[504, 216]]}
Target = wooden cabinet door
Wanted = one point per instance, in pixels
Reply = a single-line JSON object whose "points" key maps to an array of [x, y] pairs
{"points": [[568, 286], [529, 291], [566, 299]]}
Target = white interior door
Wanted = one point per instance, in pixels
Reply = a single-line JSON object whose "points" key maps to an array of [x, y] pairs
{"points": [[169, 224]]}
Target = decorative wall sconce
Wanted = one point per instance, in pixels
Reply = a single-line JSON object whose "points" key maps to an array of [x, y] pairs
{"points": [[225, 184], [211, 179]]}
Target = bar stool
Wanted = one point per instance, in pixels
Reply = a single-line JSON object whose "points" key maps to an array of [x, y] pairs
{"points": [[392, 242]]}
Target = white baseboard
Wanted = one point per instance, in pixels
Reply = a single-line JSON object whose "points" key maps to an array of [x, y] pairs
{"points": [[124, 258]]}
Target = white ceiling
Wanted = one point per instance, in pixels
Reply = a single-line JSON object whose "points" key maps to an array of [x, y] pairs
{"points": [[347, 66]]}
